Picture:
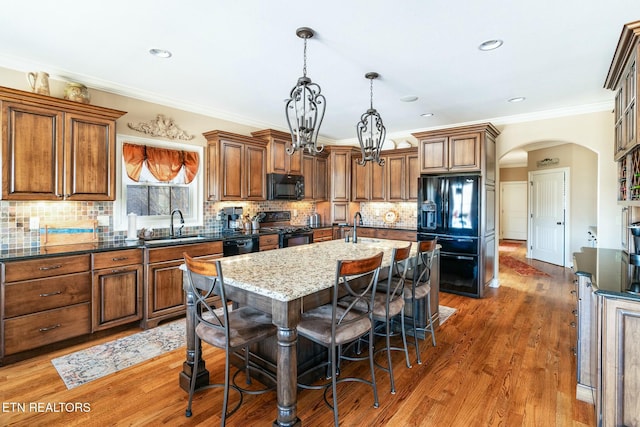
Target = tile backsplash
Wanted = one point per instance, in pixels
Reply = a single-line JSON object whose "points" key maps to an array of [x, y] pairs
{"points": [[17, 218]]}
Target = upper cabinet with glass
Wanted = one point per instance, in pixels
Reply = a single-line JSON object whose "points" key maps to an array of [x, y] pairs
{"points": [[623, 80], [71, 146]]}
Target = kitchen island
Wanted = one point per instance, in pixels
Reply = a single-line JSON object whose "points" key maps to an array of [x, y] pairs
{"points": [[608, 348], [284, 283]]}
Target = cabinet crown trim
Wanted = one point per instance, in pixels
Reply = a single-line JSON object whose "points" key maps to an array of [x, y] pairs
{"points": [[20, 96], [628, 40], [482, 127], [215, 135]]}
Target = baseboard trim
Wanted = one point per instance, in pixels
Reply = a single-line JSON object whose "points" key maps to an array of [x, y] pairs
{"points": [[585, 393]]}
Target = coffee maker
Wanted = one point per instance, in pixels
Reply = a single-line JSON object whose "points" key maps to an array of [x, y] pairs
{"points": [[232, 218]]}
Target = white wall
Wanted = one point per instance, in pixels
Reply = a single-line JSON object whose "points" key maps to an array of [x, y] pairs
{"points": [[593, 131]]}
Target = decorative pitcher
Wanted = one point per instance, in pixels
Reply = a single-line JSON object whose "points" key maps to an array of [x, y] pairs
{"points": [[39, 82]]}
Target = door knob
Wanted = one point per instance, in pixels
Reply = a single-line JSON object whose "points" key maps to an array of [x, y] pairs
{"points": [[559, 222]]}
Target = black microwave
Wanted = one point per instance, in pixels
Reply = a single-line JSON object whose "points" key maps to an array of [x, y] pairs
{"points": [[282, 186]]}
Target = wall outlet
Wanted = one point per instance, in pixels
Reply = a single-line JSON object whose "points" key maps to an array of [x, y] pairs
{"points": [[103, 220], [34, 223]]}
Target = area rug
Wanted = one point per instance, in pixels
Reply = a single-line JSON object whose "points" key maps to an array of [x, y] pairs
{"points": [[509, 246], [83, 366], [98, 361], [522, 268], [445, 313]]}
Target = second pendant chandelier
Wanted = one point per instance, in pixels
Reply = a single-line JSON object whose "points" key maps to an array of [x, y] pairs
{"points": [[371, 130]]}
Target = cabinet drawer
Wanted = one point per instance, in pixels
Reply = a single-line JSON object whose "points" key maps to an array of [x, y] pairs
{"points": [[116, 258], [175, 252], [409, 236], [366, 232], [46, 267], [44, 294], [35, 330], [269, 240], [322, 233]]}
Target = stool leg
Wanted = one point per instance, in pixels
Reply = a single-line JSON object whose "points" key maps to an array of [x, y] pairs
{"points": [[415, 330], [431, 329]]}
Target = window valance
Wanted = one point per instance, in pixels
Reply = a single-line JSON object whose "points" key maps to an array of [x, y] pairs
{"points": [[163, 163]]}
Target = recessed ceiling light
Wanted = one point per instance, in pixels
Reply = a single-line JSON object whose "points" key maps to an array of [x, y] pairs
{"points": [[426, 115], [409, 98], [160, 53], [490, 45], [517, 99]]}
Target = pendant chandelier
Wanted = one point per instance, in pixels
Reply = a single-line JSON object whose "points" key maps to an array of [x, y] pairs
{"points": [[305, 107], [371, 131]]}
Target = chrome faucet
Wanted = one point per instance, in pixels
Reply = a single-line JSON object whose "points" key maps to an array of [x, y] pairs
{"points": [[355, 226], [171, 231]]}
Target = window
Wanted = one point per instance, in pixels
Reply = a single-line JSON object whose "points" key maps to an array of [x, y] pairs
{"points": [[154, 178]]}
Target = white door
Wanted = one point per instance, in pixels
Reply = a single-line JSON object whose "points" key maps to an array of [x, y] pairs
{"points": [[548, 216], [513, 210]]}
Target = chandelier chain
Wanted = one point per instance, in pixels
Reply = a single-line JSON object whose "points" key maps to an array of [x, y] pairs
{"points": [[304, 66], [371, 91]]}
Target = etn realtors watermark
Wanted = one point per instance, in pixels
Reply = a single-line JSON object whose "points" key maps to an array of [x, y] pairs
{"points": [[39, 407]]}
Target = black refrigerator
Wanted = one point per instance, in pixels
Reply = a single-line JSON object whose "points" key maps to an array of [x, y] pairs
{"points": [[449, 209]]}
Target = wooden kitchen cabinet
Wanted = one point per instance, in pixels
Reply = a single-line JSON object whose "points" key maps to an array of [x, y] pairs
{"points": [[395, 181], [412, 174], [622, 78], [368, 181], [278, 161], [314, 170], [322, 235], [117, 288], [240, 173], [269, 242], [387, 233], [340, 185], [45, 301], [71, 145], [617, 402], [163, 288], [403, 171], [585, 325], [461, 149]]}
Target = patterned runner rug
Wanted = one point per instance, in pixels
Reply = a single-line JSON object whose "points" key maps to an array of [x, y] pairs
{"points": [[522, 268], [98, 361]]}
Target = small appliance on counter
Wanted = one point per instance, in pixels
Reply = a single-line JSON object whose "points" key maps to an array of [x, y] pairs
{"points": [[232, 219]]}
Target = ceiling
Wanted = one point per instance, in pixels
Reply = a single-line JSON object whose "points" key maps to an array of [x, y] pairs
{"points": [[238, 60]]}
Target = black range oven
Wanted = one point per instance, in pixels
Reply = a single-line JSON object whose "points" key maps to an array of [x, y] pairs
{"points": [[296, 237], [289, 235]]}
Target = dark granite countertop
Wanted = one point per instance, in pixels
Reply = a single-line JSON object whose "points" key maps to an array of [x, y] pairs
{"points": [[609, 270], [84, 248]]}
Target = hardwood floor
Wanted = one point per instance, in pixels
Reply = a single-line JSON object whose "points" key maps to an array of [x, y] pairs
{"points": [[504, 360]]}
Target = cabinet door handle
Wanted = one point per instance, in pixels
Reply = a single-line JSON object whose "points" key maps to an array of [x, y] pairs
{"points": [[116, 271], [572, 324], [120, 258], [574, 312], [50, 294], [573, 291], [50, 327], [53, 267]]}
